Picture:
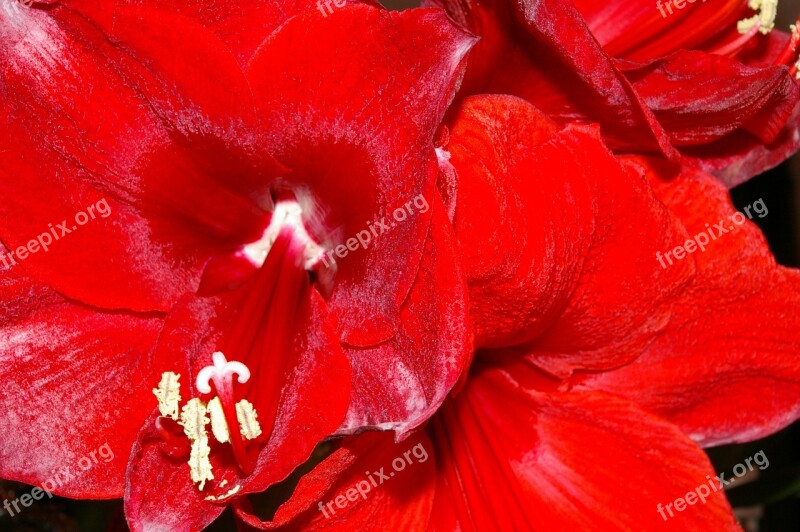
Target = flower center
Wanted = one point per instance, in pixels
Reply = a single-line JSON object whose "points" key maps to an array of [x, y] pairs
{"points": [[260, 335], [287, 216]]}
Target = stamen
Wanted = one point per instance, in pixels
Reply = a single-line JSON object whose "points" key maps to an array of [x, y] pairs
{"points": [[221, 413], [233, 491], [194, 418], [218, 425], [790, 50], [168, 394], [765, 19], [199, 463], [248, 420]]}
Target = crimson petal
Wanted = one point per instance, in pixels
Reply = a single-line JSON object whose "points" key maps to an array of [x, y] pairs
{"points": [[508, 457], [542, 51], [329, 495], [734, 96], [244, 24], [170, 203], [159, 494], [593, 302], [65, 381], [399, 384], [689, 374], [517, 459], [379, 128]]}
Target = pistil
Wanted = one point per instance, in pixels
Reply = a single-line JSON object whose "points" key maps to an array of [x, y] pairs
{"points": [[221, 374]]}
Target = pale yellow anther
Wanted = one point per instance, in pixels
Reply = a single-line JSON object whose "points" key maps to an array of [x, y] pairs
{"points": [[248, 420], [168, 394], [194, 418], [767, 12], [199, 462], [233, 491], [219, 427]]}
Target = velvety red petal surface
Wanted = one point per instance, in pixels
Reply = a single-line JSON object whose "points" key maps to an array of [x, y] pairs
{"points": [[505, 228], [511, 458], [362, 143], [560, 252], [727, 96], [543, 52], [679, 93], [69, 386], [400, 384], [508, 457], [160, 494], [738, 156], [401, 497], [736, 323], [243, 24], [638, 30], [159, 154]]}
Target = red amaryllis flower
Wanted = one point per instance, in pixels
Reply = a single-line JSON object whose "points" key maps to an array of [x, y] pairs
{"points": [[655, 80], [229, 285], [598, 371]]}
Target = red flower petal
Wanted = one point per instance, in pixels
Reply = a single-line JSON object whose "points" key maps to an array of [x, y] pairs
{"points": [[518, 270], [400, 384], [596, 301], [738, 156], [379, 128], [639, 29], [159, 494], [691, 373], [65, 380], [543, 52], [546, 54], [244, 24], [169, 209], [734, 96], [515, 459], [510, 458], [362, 463], [312, 395]]}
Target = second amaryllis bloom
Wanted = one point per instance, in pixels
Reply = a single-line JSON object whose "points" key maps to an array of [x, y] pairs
{"points": [[599, 373], [211, 329]]}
